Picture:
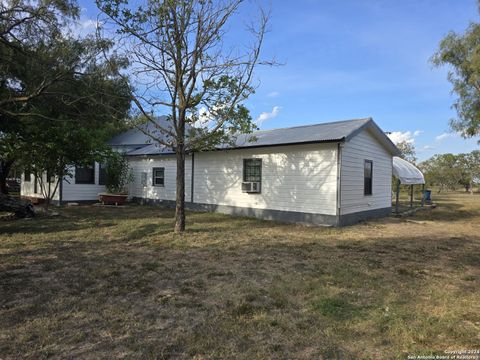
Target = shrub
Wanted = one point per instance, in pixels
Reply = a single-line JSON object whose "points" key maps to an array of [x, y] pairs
{"points": [[117, 174]]}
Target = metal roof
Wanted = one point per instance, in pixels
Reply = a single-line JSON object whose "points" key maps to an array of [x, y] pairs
{"points": [[326, 132], [135, 136], [338, 131], [151, 149]]}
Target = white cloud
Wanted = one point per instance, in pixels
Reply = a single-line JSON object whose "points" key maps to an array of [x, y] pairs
{"points": [[82, 27], [408, 136], [89, 24], [264, 116], [444, 136], [204, 116], [273, 94]]}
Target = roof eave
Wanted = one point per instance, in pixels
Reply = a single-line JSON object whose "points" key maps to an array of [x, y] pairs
{"points": [[343, 139]]}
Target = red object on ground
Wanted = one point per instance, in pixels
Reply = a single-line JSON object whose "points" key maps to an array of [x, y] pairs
{"points": [[112, 199]]}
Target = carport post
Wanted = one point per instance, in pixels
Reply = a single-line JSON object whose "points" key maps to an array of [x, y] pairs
{"points": [[423, 195], [411, 196], [397, 196]]}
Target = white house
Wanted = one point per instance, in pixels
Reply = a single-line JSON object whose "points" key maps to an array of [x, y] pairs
{"points": [[334, 173]]}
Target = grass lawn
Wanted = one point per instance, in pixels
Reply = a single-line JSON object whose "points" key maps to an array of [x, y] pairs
{"points": [[100, 282]]}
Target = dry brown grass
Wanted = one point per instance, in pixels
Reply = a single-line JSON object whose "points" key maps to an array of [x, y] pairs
{"points": [[115, 282]]}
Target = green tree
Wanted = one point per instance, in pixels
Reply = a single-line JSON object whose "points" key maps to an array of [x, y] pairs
{"points": [[29, 30], [449, 171], [407, 151], [442, 170], [179, 65], [70, 124], [469, 168], [60, 100], [462, 53]]}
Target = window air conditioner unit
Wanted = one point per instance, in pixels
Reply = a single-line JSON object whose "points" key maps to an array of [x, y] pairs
{"points": [[251, 187]]}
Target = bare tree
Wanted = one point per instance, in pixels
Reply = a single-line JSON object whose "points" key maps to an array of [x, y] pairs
{"points": [[180, 65]]}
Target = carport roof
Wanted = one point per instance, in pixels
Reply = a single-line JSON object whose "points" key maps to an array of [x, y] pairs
{"points": [[406, 172]]}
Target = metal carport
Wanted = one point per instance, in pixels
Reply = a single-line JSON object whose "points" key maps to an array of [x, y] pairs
{"points": [[407, 174]]}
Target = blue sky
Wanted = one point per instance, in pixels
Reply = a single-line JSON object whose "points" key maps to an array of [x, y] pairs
{"points": [[358, 58]]}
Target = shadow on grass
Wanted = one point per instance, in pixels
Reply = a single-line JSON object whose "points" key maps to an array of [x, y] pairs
{"points": [[277, 301], [147, 230], [274, 292], [45, 226]]}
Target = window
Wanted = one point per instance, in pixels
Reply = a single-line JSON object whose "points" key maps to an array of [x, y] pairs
{"points": [[158, 177], [102, 174], [368, 175], [28, 176], [252, 170], [85, 174], [252, 175]]}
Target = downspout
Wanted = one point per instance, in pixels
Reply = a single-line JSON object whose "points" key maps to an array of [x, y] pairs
{"points": [[192, 178], [339, 182]]}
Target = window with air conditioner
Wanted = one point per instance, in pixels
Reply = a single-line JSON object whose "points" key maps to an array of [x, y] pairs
{"points": [[252, 175]]}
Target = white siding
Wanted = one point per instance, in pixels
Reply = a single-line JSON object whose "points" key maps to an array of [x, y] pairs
{"points": [[300, 178], [81, 192], [27, 188], [167, 192], [354, 153]]}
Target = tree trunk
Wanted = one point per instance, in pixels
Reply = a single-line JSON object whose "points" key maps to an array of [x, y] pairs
{"points": [[3, 184], [46, 191], [5, 167], [180, 190]]}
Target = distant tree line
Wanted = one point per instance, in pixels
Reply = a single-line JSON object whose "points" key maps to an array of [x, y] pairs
{"points": [[445, 172], [453, 172]]}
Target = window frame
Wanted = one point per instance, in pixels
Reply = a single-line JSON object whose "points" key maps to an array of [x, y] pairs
{"points": [[102, 174], [367, 181], [27, 176], [89, 182], [154, 170], [246, 176]]}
